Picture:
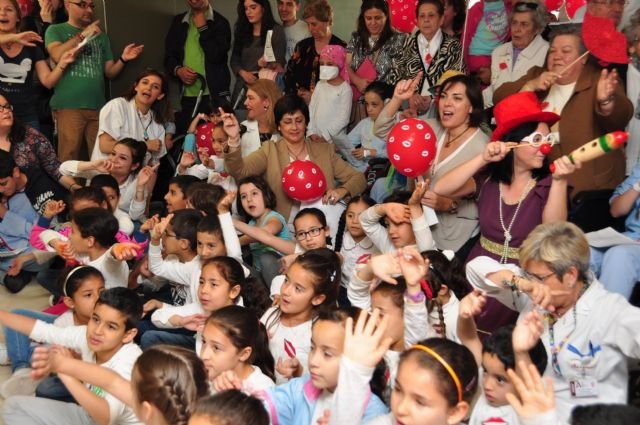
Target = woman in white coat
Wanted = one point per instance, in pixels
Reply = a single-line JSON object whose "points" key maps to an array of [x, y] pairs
{"points": [[589, 332], [526, 49]]}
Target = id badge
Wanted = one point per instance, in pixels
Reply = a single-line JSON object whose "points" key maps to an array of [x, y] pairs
{"points": [[584, 387]]}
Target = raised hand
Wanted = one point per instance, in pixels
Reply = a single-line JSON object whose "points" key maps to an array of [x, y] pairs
{"points": [[289, 368], [226, 202], [230, 124], [92, 29], [203, 155], [542, 83], [527, 332], [27, 38], [396, 212], [534, 396], [161, 227], [413, 266], [145, 175], [471, 305], [385, 266], [150, 223], [125, 251], [132, 51], [187, 160], [606, 87], [563, 167], [64, 249], [52, 208], [495, 151], [405, 89], [419, 192], [365, 344]]}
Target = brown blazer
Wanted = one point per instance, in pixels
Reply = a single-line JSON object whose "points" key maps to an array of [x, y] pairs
{"points": [[580, 123], [271, 159]]}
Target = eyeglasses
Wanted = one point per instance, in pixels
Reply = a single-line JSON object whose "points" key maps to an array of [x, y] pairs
{"points": [[169, 235], [313, 232], [84, 5], [536, 139], [7, 107], [532, 276], [524, 6]]}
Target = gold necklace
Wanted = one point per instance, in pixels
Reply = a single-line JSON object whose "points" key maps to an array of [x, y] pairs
{"points": [[450, 140], [297, 156]]}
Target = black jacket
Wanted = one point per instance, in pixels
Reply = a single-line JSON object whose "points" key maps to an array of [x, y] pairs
{"points": [[215, 39]]}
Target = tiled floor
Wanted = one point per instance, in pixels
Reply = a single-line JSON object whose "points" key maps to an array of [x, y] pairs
{"points": [[33, 296]]}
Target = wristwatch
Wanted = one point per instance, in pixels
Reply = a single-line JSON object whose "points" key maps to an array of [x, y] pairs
{"points": [[453, 208]]}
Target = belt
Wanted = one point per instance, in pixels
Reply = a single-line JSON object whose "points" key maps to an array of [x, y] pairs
{"points": [[498, 248]]}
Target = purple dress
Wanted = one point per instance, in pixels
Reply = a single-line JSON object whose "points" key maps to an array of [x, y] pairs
{"points": [[496, 315]]}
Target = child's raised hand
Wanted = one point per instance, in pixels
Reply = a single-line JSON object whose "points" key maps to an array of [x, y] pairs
{"points": [[52, 208], [160, 227], [203, 154], [148, 171], [227, 380], [471, 305], [535, 396], [125, 251], [418, 192], [64, 249], [150, 223], [527, 332], [385, 266], [406, 88], [365, 344], [225, 203], [187, 160], [412, 265], [289, 368], [396, 212], [230, 124], [195, 322]]}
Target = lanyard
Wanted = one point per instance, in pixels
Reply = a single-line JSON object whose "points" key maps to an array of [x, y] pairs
{"points": [[555, 351]]}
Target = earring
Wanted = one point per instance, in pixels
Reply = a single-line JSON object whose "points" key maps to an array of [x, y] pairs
{"points": [[265, 107]]}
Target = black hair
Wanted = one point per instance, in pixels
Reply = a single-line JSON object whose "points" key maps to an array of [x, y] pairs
{"points": [[439, 4], [243, 31], [7, 164], [502, 171], [399, 196], [126, 301], [457, 356], [210, 224], [72, 278], [342, 224], [161, 108], [183, 181], [605, 414], [473, 92], [105, 180], [204, 197], [318, 214], [268, 196], [184, 224], [362, 35], [384, 90], [89, 193], [138, 150], [99, 223], [460, 14], [290, 104], [242, 327], [500, 344], [232, 407]]}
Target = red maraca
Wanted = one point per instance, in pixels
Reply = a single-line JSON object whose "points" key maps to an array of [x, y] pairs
{"points": [[303, 181], [411, 147]]}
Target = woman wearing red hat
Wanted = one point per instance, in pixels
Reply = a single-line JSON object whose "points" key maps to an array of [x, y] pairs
{"points": [[512, 186]]}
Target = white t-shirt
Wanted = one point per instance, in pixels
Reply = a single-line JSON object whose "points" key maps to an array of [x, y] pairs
{"points": [[324, 402], [287, 342], [329, 113], [354, 253], [115, 272], [485, 414], [294, 34], [121, 119], [257, 381], [65, 319]]}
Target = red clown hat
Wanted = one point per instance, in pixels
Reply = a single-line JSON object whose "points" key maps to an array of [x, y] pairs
{"points": [[518, 109]]}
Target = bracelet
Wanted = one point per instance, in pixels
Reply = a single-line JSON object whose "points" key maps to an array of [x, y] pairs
{"points": [[123, 61], [636, 186], [417, 298], [512, 283], [366, 153]]}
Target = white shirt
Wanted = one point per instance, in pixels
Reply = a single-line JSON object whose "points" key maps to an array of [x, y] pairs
{"points": [[75, 338], [121, 119], [598, 344], [354, 253], [370, 222], [330, 111], [431, 47], [294, 34], [256, 382], [485, 414], [115, 272]]}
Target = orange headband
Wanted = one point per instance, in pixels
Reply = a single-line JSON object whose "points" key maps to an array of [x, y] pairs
{"points": [[444, 364]]}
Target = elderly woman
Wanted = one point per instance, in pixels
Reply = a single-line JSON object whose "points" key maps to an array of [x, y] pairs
{"points": [[429, 50], [633, 90], [590, 100], [262, 96], [303, 69], [590, 333], [374, 41], [460, 139], [28, 146], [512, 178], [292, 116], [526, 49]]}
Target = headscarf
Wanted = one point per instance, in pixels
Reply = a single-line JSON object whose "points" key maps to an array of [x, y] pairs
{"points": [[338, 55]]}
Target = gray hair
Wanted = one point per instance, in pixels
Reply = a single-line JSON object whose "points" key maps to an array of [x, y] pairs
{"points": [[632, 27], [560, 246], [538, 15], [568, 29]]}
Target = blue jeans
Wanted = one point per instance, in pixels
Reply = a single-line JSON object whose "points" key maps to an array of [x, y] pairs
{"points": [[618, 267], [19, 346], [153, 337]]}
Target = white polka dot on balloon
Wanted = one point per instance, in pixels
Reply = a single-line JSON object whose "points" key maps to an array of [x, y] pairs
{"points": [[406, 143]]}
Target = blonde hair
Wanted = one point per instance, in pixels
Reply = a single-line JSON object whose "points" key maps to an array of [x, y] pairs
{"points": [[560, 246], [267, 89]]}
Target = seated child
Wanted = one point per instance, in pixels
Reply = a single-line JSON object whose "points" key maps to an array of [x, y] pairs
{"points": [[230, 407], [109, 185], [106, 340], [176, 197]]}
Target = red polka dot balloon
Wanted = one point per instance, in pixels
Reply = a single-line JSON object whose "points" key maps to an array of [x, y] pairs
{"points": [[403, 15], [204, 136], [573, 6], [411, 146], [553, 5], [303, 181]]}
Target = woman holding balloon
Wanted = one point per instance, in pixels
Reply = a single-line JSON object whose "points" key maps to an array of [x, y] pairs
{"points": [[512, 185], [292, 117]]}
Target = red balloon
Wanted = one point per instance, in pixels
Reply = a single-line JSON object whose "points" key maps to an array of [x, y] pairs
{"points": [[573, 6], [553, 5], [204, 136], [303, 181], [403, 15], [411, 147]]}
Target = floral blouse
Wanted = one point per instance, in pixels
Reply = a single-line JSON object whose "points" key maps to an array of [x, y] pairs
{"points": [[36, 151]]}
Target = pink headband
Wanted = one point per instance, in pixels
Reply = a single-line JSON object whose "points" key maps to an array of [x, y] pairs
{"points": [[336, 54]]}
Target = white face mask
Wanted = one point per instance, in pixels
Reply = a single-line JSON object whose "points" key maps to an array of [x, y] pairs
{"points": [[328, 72]]}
